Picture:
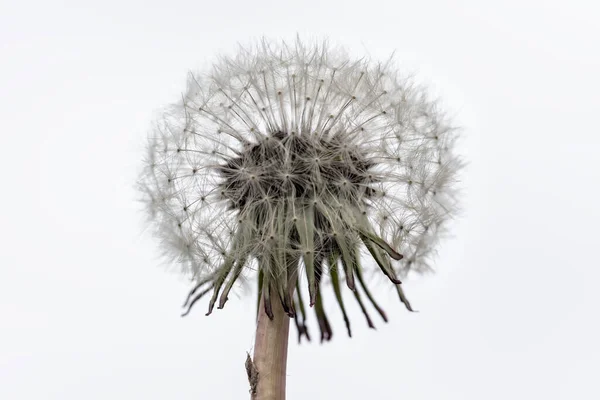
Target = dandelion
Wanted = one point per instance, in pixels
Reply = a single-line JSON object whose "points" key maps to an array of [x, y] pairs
{"points": [[303, 167]]}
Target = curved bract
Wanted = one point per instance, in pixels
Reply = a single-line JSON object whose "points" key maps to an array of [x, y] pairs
{"points": [[305, 163]]}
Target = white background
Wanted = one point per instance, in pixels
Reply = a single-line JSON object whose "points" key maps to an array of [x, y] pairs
{"points": [[87, 311]]}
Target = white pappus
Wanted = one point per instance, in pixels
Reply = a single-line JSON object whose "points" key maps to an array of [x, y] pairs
{"points": [[295, 160]]}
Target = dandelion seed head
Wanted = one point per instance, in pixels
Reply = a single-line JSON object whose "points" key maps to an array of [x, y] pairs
{"points": [[298, 156]]}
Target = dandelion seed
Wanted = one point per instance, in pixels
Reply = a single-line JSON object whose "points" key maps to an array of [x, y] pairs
{"points": [[298, 167]]}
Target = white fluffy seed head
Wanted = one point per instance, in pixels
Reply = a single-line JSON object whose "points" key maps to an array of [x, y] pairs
{"points": [[279, 128]]}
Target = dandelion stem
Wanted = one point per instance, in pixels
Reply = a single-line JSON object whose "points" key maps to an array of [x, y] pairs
{"points": [[270, 353]]}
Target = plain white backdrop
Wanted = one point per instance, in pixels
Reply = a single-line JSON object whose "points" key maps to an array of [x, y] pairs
{"points": [[88, 311]]}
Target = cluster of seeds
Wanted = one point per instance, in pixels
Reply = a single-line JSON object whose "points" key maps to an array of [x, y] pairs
{"points": [[297, 161]]}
